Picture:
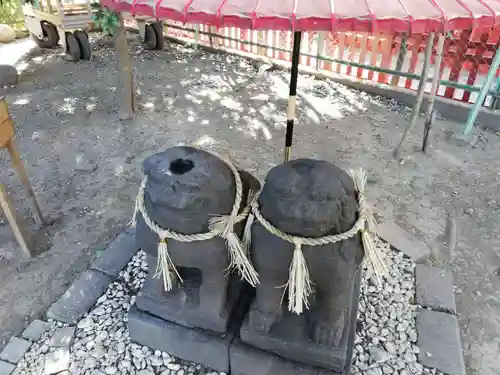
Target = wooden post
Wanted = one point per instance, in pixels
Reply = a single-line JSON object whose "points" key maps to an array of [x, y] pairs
{"points": [[401, 58], [23, 176], [429, 118], [7, 141], [420, 95], [126, 86], [15, 224]]}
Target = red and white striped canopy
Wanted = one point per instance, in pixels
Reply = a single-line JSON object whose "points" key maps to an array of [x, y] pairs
{"points": [[415, 16]]}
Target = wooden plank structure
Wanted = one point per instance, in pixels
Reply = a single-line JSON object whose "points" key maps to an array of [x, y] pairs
{"points": [[7, 141]]}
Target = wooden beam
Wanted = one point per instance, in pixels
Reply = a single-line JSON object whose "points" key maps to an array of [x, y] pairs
{"points": [[18, 164], [10, 215], [420, 95], [429, 114]]}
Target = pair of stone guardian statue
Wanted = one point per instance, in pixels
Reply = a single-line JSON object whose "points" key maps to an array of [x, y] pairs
{"points": [[208, 227]]}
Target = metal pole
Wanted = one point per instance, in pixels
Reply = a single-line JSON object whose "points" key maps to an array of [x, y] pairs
{"points": [[482, 94], [420, 95], [292, 96], [429, 115]]}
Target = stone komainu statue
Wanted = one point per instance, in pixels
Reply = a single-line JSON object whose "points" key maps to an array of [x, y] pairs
{"points": [[186, 187], [307, 198]]}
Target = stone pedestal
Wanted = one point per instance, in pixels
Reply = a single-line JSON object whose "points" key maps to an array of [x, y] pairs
{"points": [[310, 199], [290, 351], [185, 188]]}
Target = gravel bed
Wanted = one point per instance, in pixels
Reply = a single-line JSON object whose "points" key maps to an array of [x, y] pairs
{"points": [[101, 345]]}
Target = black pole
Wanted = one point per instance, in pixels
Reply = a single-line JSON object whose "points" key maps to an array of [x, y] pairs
{"points": [[292, 96]]}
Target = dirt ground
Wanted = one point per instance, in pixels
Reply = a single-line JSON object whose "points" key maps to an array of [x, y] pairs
{"points": [[85, 165]]}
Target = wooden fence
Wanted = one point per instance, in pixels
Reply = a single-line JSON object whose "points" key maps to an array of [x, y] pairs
{"points": [[393, 59]]}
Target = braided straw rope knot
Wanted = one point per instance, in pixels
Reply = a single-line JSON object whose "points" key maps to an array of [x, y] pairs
{"points": [[221, 226], [299, 284]]}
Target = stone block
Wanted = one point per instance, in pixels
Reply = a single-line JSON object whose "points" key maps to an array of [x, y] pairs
{"points": [[182, 305], [434, 288], [400, 239], [57, 361], [80, 297], [195, 345], [439, 342], [35, 330], [8, 75], [63, 337], [117, 255], [245, 360], [15, 350], [289, 339], [6, 368]]}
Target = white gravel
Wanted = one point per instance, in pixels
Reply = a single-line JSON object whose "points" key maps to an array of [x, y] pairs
{"points": [[385, 343], [386, 339]]}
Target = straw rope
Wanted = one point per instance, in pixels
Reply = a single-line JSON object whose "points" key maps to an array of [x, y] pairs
{"points": [[299, 284], [220, 225]]}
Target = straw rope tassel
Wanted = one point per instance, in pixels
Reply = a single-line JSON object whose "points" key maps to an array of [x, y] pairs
{"points": [[299, 282], [237, 255], [373, 257], [165, 266]]}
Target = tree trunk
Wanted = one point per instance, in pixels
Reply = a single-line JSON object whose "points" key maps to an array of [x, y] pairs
{"points": [[126, 82]]}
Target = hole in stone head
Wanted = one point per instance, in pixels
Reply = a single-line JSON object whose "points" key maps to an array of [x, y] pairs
{"points": [[181, 166]]}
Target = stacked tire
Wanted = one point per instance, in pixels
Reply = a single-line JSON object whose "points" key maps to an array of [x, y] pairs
{"points": [[153, 36], [77, 43], [78, 46]]}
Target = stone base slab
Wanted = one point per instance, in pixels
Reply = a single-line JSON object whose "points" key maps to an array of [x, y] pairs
{"points": [[195, 345], [289, 338], [246, 360]]}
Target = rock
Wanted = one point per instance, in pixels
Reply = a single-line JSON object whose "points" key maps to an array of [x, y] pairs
{"points": [[85, 323], [378, 355], [7, 34], [174, 366], [8, 75], [112, 370], [391, 348], [57, 361], [63, 337], [84, 165]]}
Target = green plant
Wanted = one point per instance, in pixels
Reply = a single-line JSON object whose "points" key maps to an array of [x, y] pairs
{"points": [[106, 19]]}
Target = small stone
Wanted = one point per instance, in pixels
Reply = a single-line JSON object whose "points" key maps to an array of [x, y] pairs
{"points": [[145, 372], [174, 366], [391, 348], [85, 323], [155, 361], [387, 369], [63, 337], [378, 355], [112, 370], [57, 361], [180, 372]]}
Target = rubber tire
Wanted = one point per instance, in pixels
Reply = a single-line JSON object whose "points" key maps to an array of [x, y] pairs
{"points": [[51, 36], [83, 42], [73, 52], [160, 40], [149, 37]]}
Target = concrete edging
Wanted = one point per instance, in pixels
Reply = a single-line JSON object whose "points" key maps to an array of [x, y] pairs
{"points": [[438, 332]]}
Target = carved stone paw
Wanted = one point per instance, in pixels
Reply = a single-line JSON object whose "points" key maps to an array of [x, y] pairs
{"points": [[262, 320], [328, 334]]}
